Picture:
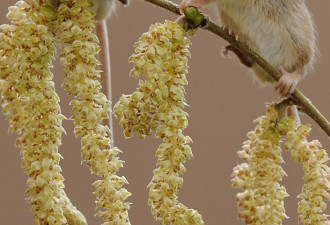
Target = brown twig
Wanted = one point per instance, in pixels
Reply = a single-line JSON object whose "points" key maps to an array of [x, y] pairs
{"points": [[297, 96]]}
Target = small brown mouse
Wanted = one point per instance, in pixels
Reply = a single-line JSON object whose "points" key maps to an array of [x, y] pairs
{"points": [[280, 31]]}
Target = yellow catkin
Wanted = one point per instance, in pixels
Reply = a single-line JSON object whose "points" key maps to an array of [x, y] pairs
{"points": [[29, 100], [90, 107], [259, 155], [314, 161], [261, 201], [157, 104]]}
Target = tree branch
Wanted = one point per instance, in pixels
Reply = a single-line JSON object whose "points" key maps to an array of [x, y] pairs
{"points": [[170, 6], [297, 95]]}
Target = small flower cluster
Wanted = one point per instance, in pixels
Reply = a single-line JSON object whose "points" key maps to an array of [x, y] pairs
{"points": [[157, 104], [29, 100], [261, 201], [261, 171], [90, 107], [314, 162]]}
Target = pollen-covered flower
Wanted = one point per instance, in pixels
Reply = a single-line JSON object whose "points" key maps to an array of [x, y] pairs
{"points": [[261, 201], [90, 107], [157, 104], [29, 100], [314, 161]]}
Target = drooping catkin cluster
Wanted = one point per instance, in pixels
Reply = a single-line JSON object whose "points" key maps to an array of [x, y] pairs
{"points": [[261, 201], [260, 170], [29, 100], [90, 107], [314, 161], [161, 57]]}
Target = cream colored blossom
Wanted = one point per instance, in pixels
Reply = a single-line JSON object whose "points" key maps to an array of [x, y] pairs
{"points": [[157, 104], [90, 107], [258, 168], [261, 201], [29, 100], [314, 161]]}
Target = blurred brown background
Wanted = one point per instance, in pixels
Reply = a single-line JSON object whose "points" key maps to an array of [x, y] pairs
{"points": [[223, 101]]}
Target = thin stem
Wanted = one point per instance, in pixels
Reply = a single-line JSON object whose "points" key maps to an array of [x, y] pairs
{"points": [[297, 95]]}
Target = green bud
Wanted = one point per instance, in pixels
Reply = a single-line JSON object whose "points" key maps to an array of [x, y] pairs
{"points": [[186, 26], [192, 14], [198, 19]]}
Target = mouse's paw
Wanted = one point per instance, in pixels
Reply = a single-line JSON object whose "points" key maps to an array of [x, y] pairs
{"points": [[288, 82], [243, 58]]}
